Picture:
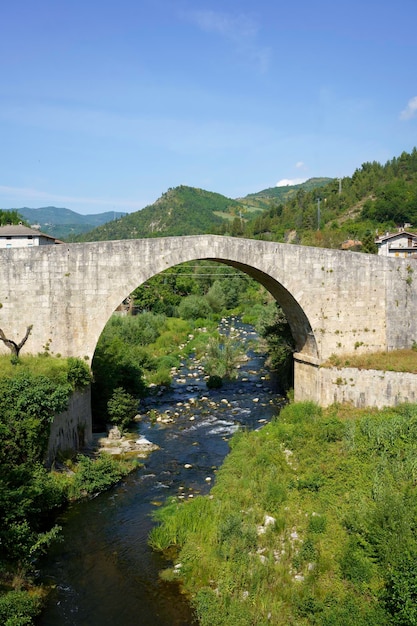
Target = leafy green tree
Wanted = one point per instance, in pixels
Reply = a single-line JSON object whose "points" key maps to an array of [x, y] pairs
{"points": [[122, 408], [194, 307], [79, 374], [216, 297], [27, 491], [368, 243], [11, 217]]}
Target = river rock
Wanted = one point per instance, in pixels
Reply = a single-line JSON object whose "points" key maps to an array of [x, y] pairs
{"points": [[114, 433]]}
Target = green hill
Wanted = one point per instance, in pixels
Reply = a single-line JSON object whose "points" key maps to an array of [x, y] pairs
{"points": [[188, 211], [180, 211]]}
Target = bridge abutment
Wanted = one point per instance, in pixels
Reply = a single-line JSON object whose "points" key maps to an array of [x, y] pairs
{"points": [[306, 378]]}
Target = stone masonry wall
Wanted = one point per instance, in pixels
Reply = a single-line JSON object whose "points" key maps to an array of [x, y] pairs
{"points": [[365, 388], [72, 429]]}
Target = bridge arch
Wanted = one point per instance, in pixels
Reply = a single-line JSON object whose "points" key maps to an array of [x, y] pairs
{"points": [[303, 335]]}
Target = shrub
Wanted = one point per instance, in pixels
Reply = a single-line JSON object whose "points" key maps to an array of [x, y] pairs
{"points": [[18, 608], [401, 592], [122, 408], [193, 307], [93, 476], [223, 355], [355, 566], [79, 374]]}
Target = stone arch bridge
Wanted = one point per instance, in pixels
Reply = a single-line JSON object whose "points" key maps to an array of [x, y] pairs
{"points": [[336, 302]]}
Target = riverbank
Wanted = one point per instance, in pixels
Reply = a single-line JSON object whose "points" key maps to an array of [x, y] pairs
{"points": [[311, 521], [104, 572]]}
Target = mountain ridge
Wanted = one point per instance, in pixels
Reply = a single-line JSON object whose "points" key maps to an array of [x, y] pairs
{"points": [[61, 222]]}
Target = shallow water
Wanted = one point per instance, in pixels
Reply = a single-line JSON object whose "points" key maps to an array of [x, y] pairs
{"points": [[103, 571]]}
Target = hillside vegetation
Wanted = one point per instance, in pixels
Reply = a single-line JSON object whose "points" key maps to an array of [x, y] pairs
{"points": [[283, 193], [188, 211], [376, 198], [179, 211]]}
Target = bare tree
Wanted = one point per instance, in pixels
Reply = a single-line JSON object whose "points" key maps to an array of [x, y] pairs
{"points": [[12, 345]]}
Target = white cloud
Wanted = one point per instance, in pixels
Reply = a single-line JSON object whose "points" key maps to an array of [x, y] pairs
{"points": [[410, 110], [233, 27], [289, 181], [299, 165], [240, 29]]}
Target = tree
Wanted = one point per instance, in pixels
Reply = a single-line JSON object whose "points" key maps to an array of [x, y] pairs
{"points": [[11, 217], [12, 345], [193, 307], [368, 243], [122, 408]]}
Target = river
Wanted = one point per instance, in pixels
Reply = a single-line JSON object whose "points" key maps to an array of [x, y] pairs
{"points": [[103, 570]]}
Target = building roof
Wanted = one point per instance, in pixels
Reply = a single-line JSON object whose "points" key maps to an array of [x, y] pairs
{"points": [[400, 233], [18, 230], [350, 243]]}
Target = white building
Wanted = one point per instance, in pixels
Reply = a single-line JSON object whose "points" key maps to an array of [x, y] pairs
{"points": [[400, 244], [19, 236]]}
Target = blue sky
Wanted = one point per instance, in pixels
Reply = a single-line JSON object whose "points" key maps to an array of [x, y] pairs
{"points": [[104, 105]]}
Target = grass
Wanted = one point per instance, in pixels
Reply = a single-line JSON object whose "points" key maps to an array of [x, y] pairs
{"points": [[394, 361], [55, 369], [340, 485]]}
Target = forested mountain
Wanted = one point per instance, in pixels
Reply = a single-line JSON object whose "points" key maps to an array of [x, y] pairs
{"points": [[190, 211], [60, 222], [376, 198], [283, 193], [180, 211]]}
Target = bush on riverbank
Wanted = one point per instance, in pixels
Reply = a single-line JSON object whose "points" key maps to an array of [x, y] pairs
{"points": [[32, 391], [311, 521]]}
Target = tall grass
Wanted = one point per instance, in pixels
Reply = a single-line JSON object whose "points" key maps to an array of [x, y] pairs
{"points": [[394, 361], [54, 368], [341, 487]]}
